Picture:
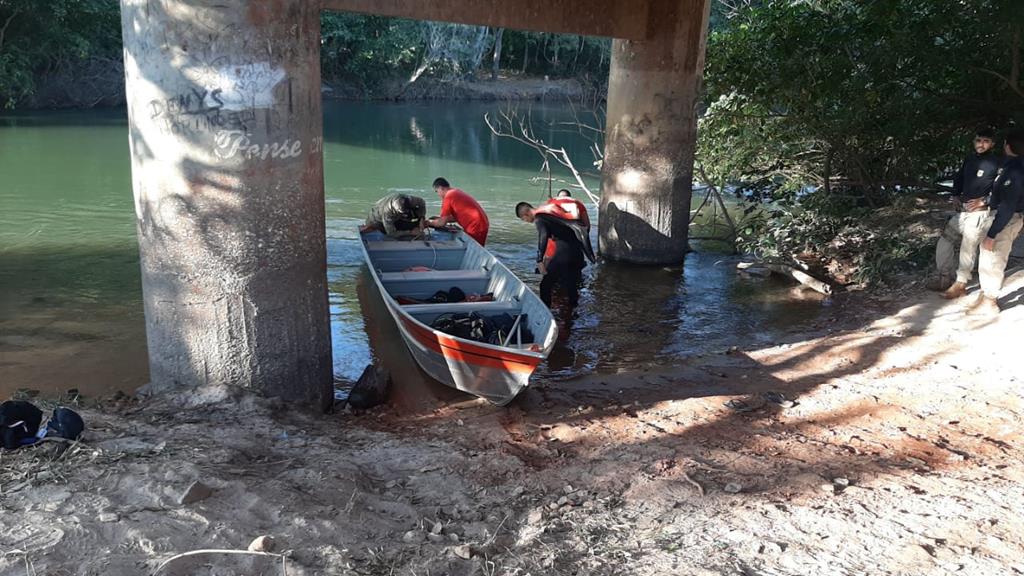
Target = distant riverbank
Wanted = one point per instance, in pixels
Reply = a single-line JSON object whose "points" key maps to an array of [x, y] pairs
{"points": [[105, 89], [515, 88]]}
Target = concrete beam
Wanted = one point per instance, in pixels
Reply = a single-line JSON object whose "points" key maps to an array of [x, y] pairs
{"points": [[612, 18], [647, 174], [225, 130]]}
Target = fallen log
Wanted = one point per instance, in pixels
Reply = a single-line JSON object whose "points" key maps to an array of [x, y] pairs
{"points": [[800, 276]]}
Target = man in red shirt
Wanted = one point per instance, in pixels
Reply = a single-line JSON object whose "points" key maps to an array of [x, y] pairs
{"points": [[457, 206]]}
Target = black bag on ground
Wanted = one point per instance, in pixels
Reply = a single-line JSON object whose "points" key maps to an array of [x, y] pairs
{"points": [[371, 389], [18, 420], [65, 423]]}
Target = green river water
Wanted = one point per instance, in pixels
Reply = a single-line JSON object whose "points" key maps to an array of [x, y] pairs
{"points": [[70, 296]]}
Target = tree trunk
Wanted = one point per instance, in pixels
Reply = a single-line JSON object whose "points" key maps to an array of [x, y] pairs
{"points": [[828, 172], [1015, 59], [497, 53], [526, 53]]}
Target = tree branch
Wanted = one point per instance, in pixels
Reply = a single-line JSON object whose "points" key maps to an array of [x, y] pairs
{"points": [[511, 125], [3, 30], [1009, 83]]}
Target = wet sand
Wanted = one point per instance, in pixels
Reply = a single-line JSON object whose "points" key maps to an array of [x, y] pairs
{"points": [[901, 455]]}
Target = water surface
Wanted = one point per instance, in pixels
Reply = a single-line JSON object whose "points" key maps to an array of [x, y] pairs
{"points": [[70, 295]]}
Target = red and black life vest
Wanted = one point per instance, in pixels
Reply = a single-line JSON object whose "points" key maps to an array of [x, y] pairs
{"points": [[564, 208], [571, 211]]}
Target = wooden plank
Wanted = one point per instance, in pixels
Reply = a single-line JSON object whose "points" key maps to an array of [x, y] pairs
{"points": [[613, 18]]}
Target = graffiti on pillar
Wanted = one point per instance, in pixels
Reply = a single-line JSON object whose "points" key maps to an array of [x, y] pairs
{"points": [[198, 110], [241, 87], [231, 143], [224, 98]]}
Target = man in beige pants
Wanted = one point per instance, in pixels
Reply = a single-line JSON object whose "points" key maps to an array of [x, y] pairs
{"points": [[1006, 221], [971, 187]]}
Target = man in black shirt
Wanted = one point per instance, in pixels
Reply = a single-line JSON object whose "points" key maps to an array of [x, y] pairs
{"points": [[397, 215], [1004, 223], [971, 185], [572, 246]]}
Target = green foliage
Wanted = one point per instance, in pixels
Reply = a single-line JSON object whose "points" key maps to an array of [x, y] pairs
{"points": [[861, 101], [557, 55], [871, 95], [39, 37], [373, 49], [850, 243], [367, 49]]}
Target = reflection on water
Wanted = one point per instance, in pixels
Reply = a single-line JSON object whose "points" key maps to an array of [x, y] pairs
{"points": [[70, 297], [632, 316]]}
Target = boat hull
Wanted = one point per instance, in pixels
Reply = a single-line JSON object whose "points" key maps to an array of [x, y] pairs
{"points": [[495, 373]]}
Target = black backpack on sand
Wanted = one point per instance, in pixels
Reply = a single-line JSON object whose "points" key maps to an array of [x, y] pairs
{"points": [[18, 420]]}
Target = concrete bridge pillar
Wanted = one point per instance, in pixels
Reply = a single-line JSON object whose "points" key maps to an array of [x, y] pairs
{"points": [[227, 168], [647, 177]]}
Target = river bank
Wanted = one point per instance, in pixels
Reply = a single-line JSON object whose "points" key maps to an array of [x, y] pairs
{"points": [[901, 455], [505, 88], [104, 88]]}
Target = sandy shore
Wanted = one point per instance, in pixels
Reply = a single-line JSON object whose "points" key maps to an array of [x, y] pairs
{"points": [[902, 455]]}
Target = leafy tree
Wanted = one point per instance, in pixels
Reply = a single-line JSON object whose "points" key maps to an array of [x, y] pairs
{"points": [[866, 97], [834, 109], [44, 38], [368, 49]]}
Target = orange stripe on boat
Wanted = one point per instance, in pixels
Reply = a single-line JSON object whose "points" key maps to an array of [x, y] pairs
{"points": [[470, 354]]}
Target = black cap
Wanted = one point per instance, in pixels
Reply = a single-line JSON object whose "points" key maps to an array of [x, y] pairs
{"points": [[986, 132]]}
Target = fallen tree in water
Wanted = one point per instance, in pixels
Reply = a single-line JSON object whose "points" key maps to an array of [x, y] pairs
{"points": [[789, 271]]}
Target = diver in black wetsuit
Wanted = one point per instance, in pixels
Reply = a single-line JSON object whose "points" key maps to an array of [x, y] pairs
{"points": [[572, 249]]}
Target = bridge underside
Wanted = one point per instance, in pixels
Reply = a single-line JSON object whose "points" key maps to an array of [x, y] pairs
{"points": [[227, 165]]}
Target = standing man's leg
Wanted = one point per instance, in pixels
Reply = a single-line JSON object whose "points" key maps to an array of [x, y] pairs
{"points": [[547, 283], [558, 270], [992, 267], [572, 279], [946, 259], [973, 226]]}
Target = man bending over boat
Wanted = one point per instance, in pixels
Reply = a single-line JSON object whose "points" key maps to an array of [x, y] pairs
{"points": [[572, 249], [397, 215], [459, 207]]}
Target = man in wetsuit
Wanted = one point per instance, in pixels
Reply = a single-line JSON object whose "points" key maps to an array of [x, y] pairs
{"points": [[397, 215], [971, 186], [575, 209], [572, 249], [1003, 222]]}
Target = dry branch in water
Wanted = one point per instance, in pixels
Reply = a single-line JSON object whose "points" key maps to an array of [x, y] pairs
{"points": [[510, 124]]}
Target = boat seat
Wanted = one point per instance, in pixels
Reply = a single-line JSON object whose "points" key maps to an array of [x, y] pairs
{"points": [[446, 307], [413, 245], [427, 313], [452, 275]]}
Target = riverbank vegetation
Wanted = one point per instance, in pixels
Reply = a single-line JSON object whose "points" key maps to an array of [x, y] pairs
{"points": [[823, 116], [60, 53], [840, 117], [67, 54]]}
